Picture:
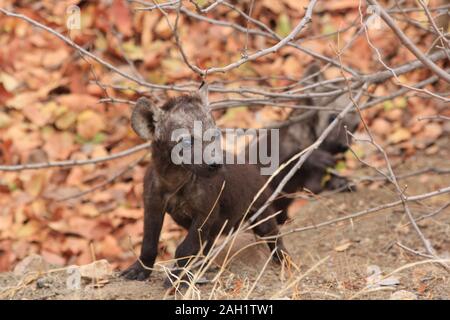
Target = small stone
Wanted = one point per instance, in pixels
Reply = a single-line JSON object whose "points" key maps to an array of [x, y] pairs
{"points": [[403, 295], [42, 283], [32, 263], [99, 269]]}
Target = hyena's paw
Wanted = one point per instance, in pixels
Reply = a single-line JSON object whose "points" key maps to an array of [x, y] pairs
{"points": [[281, 256], [136, 272], [172, 282], [340, 183]]}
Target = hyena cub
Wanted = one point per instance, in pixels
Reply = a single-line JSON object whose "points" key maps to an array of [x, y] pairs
{"points": [[298, 136], [192, 193]]}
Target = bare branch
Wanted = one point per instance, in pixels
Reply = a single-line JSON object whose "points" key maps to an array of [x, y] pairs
{"points": [[435, 117], [409, 44], [370, 210], [110, 180], [72, 163], [305, 20]]}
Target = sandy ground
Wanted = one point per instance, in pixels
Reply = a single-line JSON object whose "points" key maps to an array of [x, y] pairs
{"points": [[335, 262]]}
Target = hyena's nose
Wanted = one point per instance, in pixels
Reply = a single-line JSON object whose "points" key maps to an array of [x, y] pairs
{"points": [[214, 166]]}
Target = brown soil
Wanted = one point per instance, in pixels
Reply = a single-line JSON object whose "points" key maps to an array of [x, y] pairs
{"points": [[351, 247]]}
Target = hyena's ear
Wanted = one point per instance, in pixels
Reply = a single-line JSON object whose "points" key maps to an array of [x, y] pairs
{"points": [[312, 74], [144, 117]]}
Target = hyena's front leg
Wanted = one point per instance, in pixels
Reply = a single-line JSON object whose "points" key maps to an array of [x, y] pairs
{"points": [[269, 228], [153, 220], [201, 236]]}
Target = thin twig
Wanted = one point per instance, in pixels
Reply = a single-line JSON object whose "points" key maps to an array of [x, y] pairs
{"points": [[72, 163], [409, 44]]}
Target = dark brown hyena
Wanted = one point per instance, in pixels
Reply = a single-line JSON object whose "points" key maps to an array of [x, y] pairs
{"points": [[188, 192]]}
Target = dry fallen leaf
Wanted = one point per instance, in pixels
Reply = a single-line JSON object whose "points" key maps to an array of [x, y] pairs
{"points": [[430, 132], [120, 16], [36, 183], [339, 5], [89, 123], [399, 135], [5, 120], [275, 6], [127, 213], [298, 5], [381, 127], [342, 247], [99, 269], [109, 247], [9, 82], [66, 120], [59, 145], [77, 102], [28, 229]]}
